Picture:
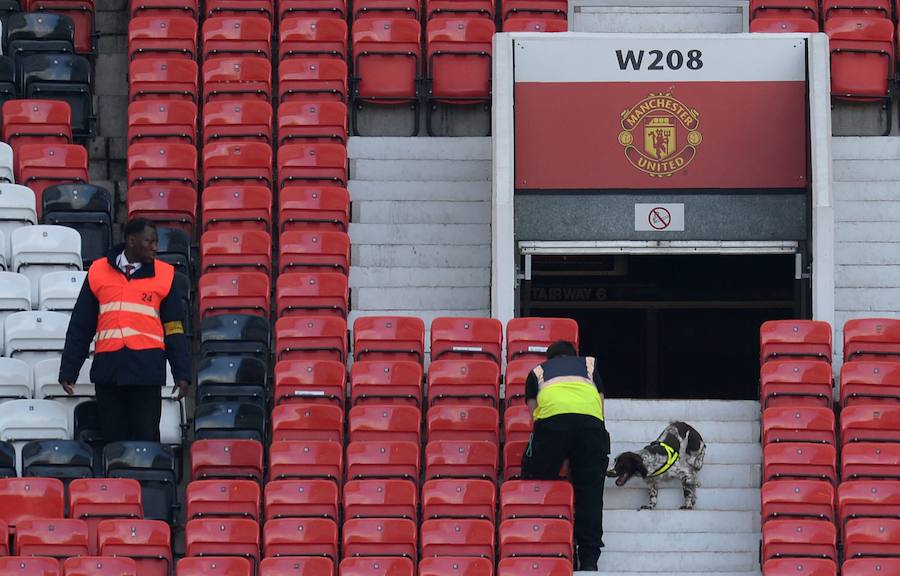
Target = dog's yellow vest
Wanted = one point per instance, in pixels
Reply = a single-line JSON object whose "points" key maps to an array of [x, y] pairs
{"points": [[671, 459]]}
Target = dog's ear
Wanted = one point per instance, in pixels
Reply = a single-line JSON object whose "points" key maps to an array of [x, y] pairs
{"points": [[635, 464]]}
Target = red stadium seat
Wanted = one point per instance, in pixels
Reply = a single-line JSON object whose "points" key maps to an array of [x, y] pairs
{"points": [[223, 537], [389, 338], [472, 423], [311, 338], [236, 250], [314, 250], [536, 499], [766, 9], [31, 566], [166, 162], [469, 382], [237, 77], [4, 540], [333, 8], [237, 120], [872, 537], [385, 9], [98, 566], [872, 339], [800, 566], [316, 121], [312, 164], [214, 566], [165, 7], [534, 567], [798, 424], [866, 381], [298, 459], [147, 542], [162, 121], [466, 338], [454, 8], [813, 499], [803, 538], [237, 162], [234, 293], [301, 499], [458, 49], [868, 499], [863, 8], [304, 421], [226, 459], [312, 294], [36, 122], [41, 165], [163, 79], [24, 499], [383, 459], [530, 337], [377, 566], [380, 498], [869, 566], [313, 208], [870, 461], [296, 566], [224, 36], [534, 23], [461, 459], [459, 498], [799, 461], [517, 424], [387, 60], [536, 537], [380, 537], [456, 566], [237, 206], [162, 36], [301, 537], [55, 538], [94, 500], [172, 205], [516, 375], [458, 537], [809, 339], [386, 382], [385, 422], [547, 8], [312, 381], [223, 499], [312, 35], [862, 61], [784, 24], [81, 12], [870, 423], [795, 383], [512, 459], [240, 7], [312, 79]]}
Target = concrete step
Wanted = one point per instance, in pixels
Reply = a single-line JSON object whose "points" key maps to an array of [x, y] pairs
{"points": [[426, 315], [872, 252], [420, 148], [409, 300], [860, 191], [716, 452], [866, 211], [634, 495], [865, 148], [690, 411], [362, 276], [645, 560], [866, 170], [413, 256], [420, 170], [724, 476], [867, 231], [684, 542], [681, 521], [434, 191], [644, 432], [421, 212], [422, 235]]}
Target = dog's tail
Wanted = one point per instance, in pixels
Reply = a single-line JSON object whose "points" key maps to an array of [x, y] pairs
{"points": [[696, 460]]}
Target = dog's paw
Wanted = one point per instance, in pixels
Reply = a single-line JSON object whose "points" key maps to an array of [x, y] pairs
{"points": [[687, 507], [646, 507]]}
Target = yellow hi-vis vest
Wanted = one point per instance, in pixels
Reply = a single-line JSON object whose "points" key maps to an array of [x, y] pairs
{"points": [[671, 459], [571, 393]]}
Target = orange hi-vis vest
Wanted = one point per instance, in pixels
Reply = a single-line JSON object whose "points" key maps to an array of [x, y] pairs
{"points": [[129, 309]]}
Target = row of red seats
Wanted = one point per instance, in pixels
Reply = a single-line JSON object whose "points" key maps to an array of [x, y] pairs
{"points": [[816, 11], [809, 383], [864, 339]]}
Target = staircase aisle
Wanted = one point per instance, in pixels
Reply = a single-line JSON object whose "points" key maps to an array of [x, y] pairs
{"points": [[721, 535]]}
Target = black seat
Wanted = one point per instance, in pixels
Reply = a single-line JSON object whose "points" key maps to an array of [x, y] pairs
{"points": [[7, 8], [63, 459], [87, 426], [174, 247], [184, 284], [38, 33], [8, 81], [64, 77], [7, 460], [232, 378], [238, 420], [86, 208], [235, 334], [154, 466]]}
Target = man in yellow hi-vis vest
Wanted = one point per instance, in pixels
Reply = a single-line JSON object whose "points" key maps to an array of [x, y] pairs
{"points": [[131, 303], [565, 395]]}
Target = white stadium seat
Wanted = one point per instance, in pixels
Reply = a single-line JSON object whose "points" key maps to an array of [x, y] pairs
{"points": [[15, 380], [6, 163], [15, 296], [59, 290], [35, 336], [22, 421], [17, 209], [47, 387], [37, 250]]}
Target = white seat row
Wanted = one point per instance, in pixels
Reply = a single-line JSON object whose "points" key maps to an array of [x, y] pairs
{"points": [[18, 380], [37, 250], [57, 291], [17, 209], [35, 336]]}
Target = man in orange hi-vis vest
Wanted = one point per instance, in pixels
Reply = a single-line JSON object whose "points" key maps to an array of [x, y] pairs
{"points": [[131, 304]]}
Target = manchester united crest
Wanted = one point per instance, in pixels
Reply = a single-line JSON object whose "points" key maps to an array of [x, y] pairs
{"points": [[660, 135]]}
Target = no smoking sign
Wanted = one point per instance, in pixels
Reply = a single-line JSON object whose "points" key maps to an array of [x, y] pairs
{"points": [[659, 217]]}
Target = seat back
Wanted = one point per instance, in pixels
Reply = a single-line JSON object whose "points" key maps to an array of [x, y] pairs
{"points": [[380, 537], [870, 423], [534, 566], [293, 565], [868, 566], [162, 36], [223, 499], [871, 339], [307, 498], [801, 566], [317, 250], [798, 424], [795, 382], [805, 538], [59, 290], [799, 461], [229, 420], [163, 79], [53, 537], [37, 250], [812, 499], [230, 293], [147, 542], [23, 499], [868, 499], [386, 58], [225, 35], [301, 537], [799, 338], [386, 382], [311, 338], [237, 120], [15, 379], [315, 381], [312, 294], [461, 459], [458, 537], [243, 77], [237, 162], [466, 337], [385, 422], [461, 422], [459, 498], [389, 337], [227, 458], [458, 52], [464, 381], [94, 500], [866, 381], [223, 537], [536, 499], [306, 421], [313, 207], [297, 459], [312, 164], [872, 537], [162, 121], [870, 461], [315, 121], [536, 537], [214, 565], [862, 57], [380, 498], [381, 459]]}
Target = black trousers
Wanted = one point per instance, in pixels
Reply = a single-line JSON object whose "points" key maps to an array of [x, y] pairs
{"points": [[129, 412], [587, 449]]}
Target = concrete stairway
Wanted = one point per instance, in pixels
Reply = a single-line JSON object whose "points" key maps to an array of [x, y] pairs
{"points": [[721, 535], [420, 231]]}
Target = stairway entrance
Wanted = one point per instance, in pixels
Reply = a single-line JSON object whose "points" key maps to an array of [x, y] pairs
{"points": [[661, 326]]}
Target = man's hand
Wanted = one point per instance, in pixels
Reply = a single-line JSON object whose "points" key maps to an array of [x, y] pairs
{"points": [[181, 388], [68, 387]]}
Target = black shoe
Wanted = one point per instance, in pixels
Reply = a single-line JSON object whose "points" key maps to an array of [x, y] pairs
{"points": [[588, 564]]}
